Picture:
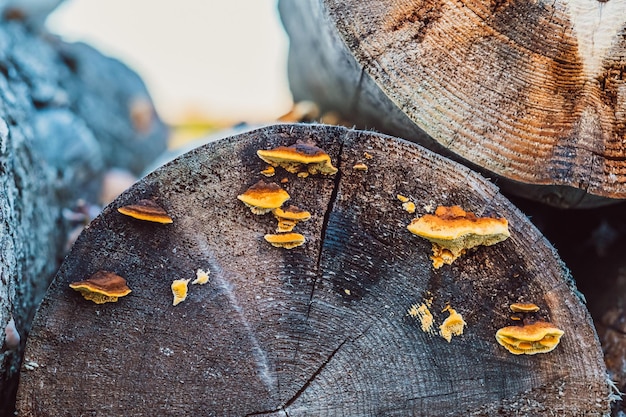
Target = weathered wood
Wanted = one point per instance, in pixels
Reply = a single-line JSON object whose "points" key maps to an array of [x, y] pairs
{"points": [[592, 244], [531, 92], [57, 123], [319, 330]]}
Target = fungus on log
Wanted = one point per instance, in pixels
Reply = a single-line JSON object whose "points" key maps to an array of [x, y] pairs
{"points": [[327, 328], [533, 92]]}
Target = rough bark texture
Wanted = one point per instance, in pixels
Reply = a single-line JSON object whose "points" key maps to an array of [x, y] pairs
{"points": [[65, 118], [318, 330], [531, 92]]}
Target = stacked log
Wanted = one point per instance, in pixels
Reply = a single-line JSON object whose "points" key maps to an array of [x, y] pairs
{"points": [[326, 328], [66, 118]]}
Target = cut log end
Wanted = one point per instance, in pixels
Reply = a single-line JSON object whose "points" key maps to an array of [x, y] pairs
{"points": [[321, 329], [530, 92]]}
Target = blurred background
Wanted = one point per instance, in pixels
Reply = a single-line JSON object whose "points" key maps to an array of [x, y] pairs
{"points": [[207, 64]]}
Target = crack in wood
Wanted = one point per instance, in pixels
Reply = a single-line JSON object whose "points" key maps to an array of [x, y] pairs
{"points": [[319, 370], [326, 220]]}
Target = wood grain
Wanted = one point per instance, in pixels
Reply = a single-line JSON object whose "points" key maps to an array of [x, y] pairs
{"points": [[533, 92], [319, 330]]}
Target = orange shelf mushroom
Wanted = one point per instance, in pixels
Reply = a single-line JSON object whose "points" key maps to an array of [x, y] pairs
{"points": [[146, 210], [102, 287], [264, 197], [300, 158], [529, 339], [290, 217], [524, 308], [285, 240], [453, 231]]}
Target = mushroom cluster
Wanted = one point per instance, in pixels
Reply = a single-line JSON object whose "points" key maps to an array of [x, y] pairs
{"points": [[531, 337], [301, 159], [105, 286], [453, 231]]}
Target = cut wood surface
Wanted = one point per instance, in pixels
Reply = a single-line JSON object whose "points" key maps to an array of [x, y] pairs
{"points": [[533, 92], [319, 330]]}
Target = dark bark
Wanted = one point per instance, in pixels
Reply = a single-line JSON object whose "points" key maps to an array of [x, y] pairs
{"points": [[319, 330], [64, 120]]}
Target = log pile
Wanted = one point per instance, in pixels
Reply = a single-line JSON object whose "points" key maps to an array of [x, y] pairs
{"points": [[201, 291]]}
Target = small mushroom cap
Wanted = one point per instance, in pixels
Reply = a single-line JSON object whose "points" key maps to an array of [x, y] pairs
{"points": [[102, 287], [292, 213], [530, 339], [289, 218], [285, 240], [524, 307], [456, 230], [264, 197], [269, 171], [146, 210], [293, 157]]}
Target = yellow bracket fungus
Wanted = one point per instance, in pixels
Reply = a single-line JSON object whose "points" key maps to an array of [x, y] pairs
{"points": [[524, 308], [285, 240], [529, 339], [264, 197], [179, 290], [453, 231], [146, 210], [102, 287], [299, 158], [360, 167], [289, 217], [452, 326], [202, 277], [269, 171]]}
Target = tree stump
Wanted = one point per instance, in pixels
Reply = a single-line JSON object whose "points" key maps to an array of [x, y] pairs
{"points": [[57, 123], [322, 329], [533, 93]]}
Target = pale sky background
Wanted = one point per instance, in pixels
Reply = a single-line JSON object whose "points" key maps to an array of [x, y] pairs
{"points": [[224, 59]]}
